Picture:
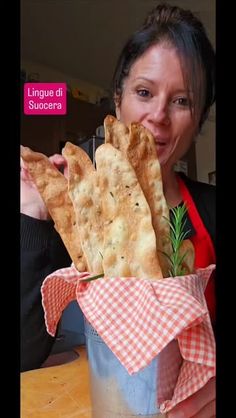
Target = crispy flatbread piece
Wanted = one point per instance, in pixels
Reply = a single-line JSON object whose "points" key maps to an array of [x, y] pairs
{"points": [[129, 237], [187, 248], [85, 195], [53, 188], [138, 146]]}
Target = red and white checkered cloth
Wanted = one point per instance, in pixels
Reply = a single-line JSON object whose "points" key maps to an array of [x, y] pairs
{"points": [[137, 318]]}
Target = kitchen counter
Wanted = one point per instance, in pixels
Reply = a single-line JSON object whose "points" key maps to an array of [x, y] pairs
{"points": [[60, 391]]}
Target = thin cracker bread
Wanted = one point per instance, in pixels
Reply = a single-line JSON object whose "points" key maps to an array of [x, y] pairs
{"points": [[129, 238], [85, 195], [138, 146], [187, 248], [53, 188]]}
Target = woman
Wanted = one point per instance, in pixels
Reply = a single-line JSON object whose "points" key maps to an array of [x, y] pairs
{"points": [[165, 80]]}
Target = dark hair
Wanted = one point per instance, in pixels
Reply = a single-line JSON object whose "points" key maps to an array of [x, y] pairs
{"points": [[183, 30]]}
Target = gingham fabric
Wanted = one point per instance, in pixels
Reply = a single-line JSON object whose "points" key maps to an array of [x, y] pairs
{"points": [[137, 318]]}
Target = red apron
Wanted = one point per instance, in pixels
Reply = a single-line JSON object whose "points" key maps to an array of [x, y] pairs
{"points": [[204, 249]]}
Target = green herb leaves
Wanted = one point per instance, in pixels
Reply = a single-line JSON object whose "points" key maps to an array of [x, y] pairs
{"points": [[89, 279], [177, 236]]}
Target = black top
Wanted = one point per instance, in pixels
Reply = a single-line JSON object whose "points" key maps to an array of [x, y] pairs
{"points": [[42, 252]]}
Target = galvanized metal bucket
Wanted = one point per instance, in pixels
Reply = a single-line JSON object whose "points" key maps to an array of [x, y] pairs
{"points": [[115, 393]]}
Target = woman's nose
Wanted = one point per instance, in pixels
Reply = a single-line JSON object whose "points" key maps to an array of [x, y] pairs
{"points": [[159, 112]]}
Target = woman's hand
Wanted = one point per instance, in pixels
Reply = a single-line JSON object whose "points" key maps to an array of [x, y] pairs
{"points": [[60, 163], [200, 405], [31, 203]]}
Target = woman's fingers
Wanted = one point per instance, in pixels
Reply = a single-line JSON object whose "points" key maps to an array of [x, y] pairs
{"points": [[60, 162], [201, 402], [208, 411], [57, 159], [24, 173]]}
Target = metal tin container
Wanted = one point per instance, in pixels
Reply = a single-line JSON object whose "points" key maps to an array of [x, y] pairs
{"points": [[115, 393]]}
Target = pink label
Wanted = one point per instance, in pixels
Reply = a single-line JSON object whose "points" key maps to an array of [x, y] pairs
{"points": [[45, 98]]}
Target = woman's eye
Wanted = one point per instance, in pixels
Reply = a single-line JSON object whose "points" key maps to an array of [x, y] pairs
{"points": [[182, 101], [143, 92]]}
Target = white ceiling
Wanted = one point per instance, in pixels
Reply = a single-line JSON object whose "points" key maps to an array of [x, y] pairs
{"points": [[83, 38]]}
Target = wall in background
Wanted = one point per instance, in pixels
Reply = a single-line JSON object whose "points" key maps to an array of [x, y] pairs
{"points": [[46, 74], [205, 149], [204, 153], [46, 133]]}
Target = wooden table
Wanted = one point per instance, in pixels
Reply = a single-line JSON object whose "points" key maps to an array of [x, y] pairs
{"points": [[58, 391]]}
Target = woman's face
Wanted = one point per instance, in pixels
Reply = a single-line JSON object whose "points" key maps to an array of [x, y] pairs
{"points": [[155, 95]]}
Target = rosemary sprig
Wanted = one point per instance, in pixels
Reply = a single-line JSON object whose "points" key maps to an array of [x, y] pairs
{"points": [[177, 235], [89, 279]]}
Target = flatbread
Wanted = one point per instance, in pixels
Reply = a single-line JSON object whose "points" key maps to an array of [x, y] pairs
{"points": [[138, 146], [187, 248], [53, 188], [85, 196], [129, 237]]}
